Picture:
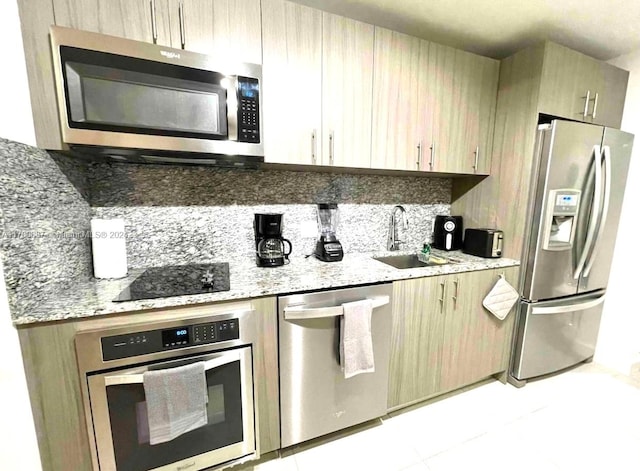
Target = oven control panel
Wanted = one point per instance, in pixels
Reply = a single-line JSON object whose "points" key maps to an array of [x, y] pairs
{"points": [[152, 341]]}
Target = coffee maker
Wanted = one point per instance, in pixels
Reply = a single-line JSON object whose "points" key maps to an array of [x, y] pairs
{"points": [[328, 248], [270, 245]]}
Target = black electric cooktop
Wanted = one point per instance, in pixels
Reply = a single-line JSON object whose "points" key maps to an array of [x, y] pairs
{"points": [[177, 280]]}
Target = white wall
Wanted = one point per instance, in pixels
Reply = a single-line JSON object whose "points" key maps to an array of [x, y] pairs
{"points": [[17, 433], [619, 342]]}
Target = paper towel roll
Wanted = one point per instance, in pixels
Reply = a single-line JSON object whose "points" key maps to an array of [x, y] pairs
{"points": [[109, 247]]}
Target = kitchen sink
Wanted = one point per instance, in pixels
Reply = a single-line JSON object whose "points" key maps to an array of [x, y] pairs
{"points": [[410, 261]]}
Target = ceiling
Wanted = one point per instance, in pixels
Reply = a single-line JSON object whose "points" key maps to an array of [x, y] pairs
{"points": [[603, 29]]}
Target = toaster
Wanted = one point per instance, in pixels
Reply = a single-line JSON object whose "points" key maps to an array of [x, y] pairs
{"points": [[483, 242]]}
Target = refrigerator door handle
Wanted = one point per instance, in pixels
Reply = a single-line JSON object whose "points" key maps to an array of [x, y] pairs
{"points": [[595, 206], [570, 308], [606, 150]]}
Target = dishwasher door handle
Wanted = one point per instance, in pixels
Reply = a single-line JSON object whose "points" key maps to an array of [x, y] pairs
{"points": [[301, 312]]}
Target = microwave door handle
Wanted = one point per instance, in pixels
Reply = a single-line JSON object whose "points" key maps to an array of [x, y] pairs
{"points": [[227, 357], [302, 313], [606, 151], [594, 213]]}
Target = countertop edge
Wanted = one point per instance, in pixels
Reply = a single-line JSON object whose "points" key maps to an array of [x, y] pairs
{"points": [[379, 273]]}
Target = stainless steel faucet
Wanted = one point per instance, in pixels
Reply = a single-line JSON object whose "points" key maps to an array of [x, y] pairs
{"points": [[393, 243]]}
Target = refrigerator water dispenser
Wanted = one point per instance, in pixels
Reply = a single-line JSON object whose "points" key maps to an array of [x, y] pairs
{"points": [[560, 220]]}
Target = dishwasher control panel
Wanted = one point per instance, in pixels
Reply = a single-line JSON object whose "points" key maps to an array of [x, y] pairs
{"points": [[151, 341]]}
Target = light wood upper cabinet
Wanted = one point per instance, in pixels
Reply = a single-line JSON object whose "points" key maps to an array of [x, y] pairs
{"points": [[576, 86], [443, 338], [131, 19], [347, 80], [464, 89], [396, 141], [292, 74], [229, 30], [433, 106]]}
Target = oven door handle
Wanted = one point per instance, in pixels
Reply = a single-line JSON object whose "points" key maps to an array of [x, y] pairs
{"points": [[223, 359], [301, 312]]}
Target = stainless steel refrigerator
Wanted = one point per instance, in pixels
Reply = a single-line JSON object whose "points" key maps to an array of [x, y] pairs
{"points": [[580, 172]]}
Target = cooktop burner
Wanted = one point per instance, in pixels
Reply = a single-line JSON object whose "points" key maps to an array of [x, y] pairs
{"points": [[177, 280]]}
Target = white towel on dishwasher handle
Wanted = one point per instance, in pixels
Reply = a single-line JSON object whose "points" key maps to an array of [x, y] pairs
{"points": [[501, 298], [176, 401], [356, 345]]}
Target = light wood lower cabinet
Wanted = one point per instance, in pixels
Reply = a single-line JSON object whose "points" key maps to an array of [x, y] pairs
{"points": [[51, 368], [443, 338]]}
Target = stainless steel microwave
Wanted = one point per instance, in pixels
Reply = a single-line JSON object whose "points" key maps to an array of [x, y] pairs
{"points": [[131, 100]]}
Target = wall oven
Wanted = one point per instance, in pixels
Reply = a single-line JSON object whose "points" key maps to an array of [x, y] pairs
{"points": [[112, 363], [131, 100]]}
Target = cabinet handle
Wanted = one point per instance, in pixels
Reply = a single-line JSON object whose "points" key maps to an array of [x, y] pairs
{"points": [[331, 149], [313, 147], [455, 296], [441, 298], [477, 154], [587, 99], [154, 26], [183, 32], [432, 157], [419, 162], [595, 106]]}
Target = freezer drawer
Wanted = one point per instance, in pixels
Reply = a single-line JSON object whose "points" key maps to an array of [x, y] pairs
{"points": [[315, 397], [556, 334]]}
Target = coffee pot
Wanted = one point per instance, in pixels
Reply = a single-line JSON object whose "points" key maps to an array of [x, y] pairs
{"points": [[272, 250]]}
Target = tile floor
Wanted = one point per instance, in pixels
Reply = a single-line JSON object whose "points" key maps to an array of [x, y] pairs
{"points": [[586, 419]]}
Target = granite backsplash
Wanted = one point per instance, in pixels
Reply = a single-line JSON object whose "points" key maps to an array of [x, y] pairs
{"points": [[44, 221], [185, 214], [177, 215]]}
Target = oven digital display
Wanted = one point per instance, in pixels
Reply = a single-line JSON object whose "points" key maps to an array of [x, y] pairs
{"points": [[175, 337]]}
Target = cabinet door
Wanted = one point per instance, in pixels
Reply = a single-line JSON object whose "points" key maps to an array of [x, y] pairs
{"points": [[131, 19], [441, 83], [292, 74], [347, 79], [567, 78], [395, 140], [195, 28], [229, 30], [416, 340], [484, 107], [464, 88], [611, 95], [476, 344]]}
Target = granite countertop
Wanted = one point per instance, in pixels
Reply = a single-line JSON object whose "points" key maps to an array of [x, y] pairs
{"points": [[92, 297]]}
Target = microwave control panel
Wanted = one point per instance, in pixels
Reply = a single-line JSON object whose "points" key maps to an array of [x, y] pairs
{"points": [[151, 341], [248, 110]]}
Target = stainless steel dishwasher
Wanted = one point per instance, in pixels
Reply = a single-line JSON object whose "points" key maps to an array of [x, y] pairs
{"points": [[315, 398]]}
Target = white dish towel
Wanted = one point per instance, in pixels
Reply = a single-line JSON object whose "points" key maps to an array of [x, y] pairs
{"points": [[176, 401], [356, 346], [501, 298]]}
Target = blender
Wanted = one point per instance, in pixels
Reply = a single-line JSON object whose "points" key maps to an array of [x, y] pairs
{"points": [[328, 248]]}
